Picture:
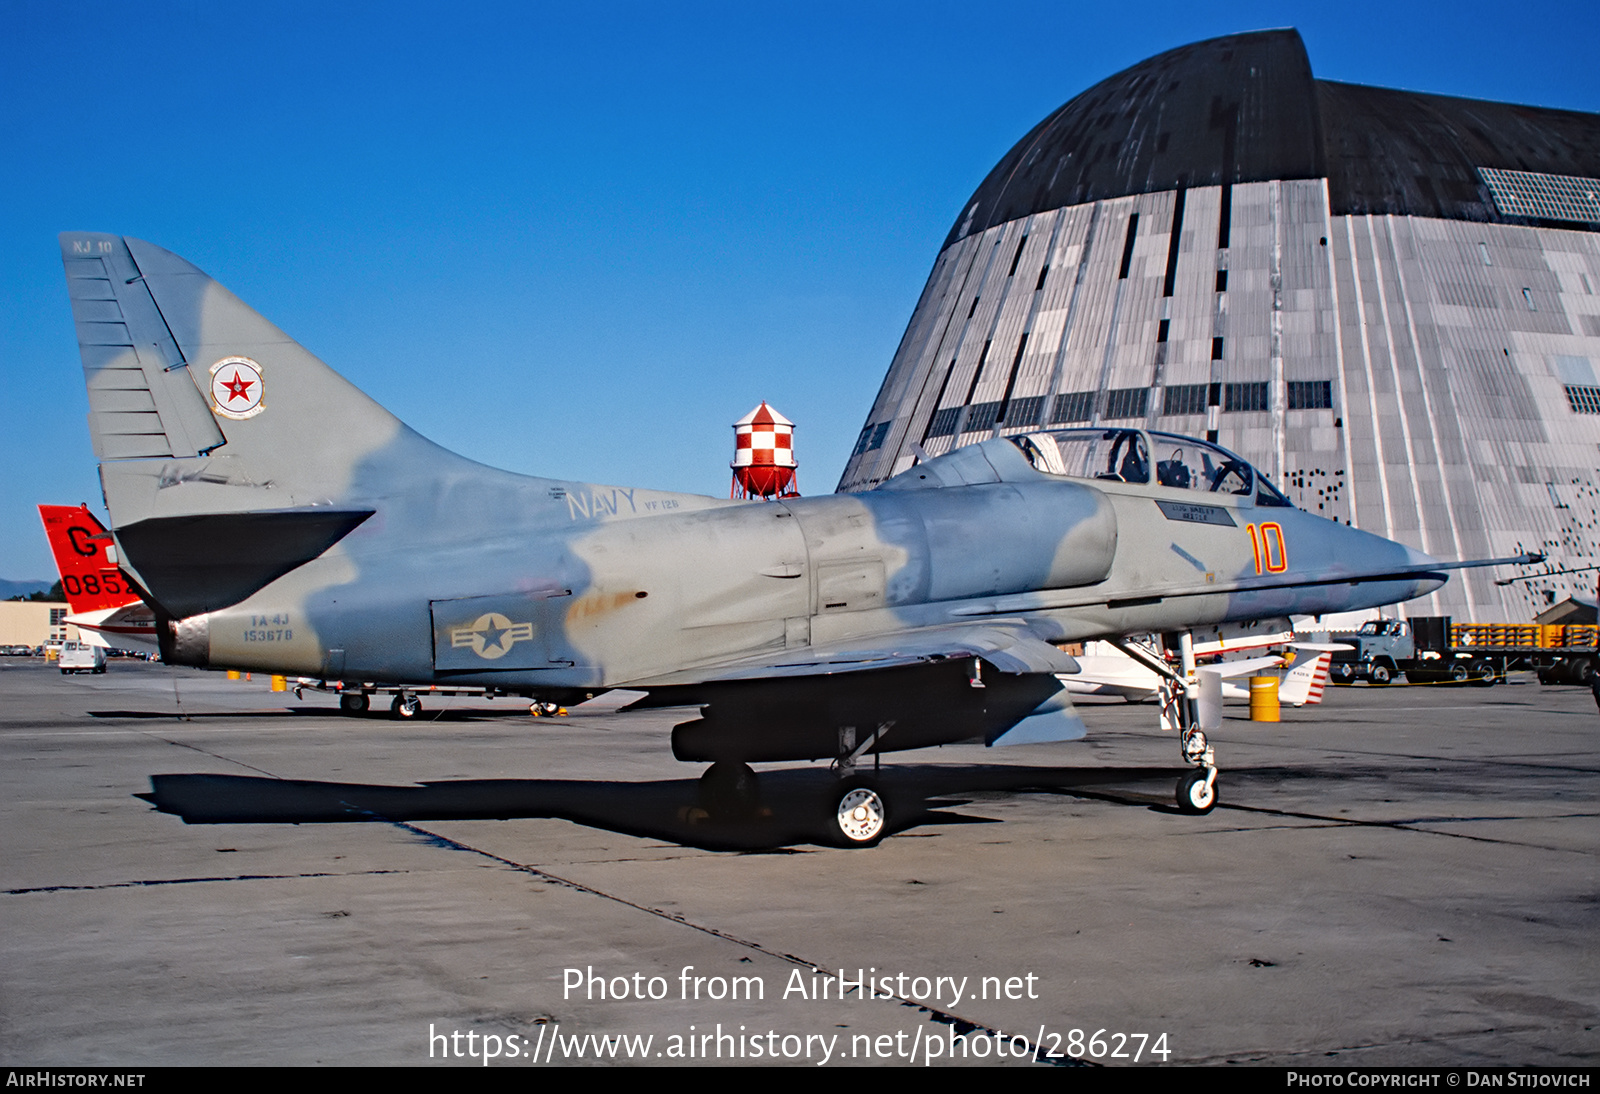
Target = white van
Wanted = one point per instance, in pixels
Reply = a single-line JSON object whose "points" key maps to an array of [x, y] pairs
{"points": [[82, 657]]}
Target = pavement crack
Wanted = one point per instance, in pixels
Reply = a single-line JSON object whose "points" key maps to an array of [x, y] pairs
{"points": [[154, 882], [1404, 826], [1261, 1055], [208, 752]]}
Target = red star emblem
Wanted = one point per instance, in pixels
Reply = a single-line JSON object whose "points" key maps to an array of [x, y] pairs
{"points": [[238, 387]]}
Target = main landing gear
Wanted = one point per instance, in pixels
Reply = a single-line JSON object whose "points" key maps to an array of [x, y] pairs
{"points": [[1197, 790], [406, 704], [729, 790], [856, 812], [860, 814]]}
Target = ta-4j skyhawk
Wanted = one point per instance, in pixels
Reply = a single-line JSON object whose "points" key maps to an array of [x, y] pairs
{"points": [[276, 519]]}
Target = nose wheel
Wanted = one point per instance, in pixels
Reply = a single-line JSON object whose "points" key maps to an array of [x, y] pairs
{"points": [[1197, 791]]}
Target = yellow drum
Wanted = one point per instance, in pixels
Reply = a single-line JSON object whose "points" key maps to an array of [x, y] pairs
{"points": [[1263, 698]]}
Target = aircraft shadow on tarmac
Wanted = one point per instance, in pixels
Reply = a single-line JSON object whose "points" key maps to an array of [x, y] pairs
{"points": [[792, 807], [460, 714]]}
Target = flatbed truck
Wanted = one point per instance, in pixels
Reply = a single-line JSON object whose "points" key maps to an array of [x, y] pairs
{"points": [[1436, 650]]}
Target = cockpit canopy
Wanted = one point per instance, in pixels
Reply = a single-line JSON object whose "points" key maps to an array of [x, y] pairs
{"points": [[1125, 455]]}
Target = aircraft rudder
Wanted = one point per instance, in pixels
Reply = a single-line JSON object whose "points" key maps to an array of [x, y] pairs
{"points": [[85, 559]]}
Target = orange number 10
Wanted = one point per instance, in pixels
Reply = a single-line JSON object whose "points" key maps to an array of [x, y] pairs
{"points": [[1266, 541]]}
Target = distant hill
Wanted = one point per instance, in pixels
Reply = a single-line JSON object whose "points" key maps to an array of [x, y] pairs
{"points": [[9, 589]]}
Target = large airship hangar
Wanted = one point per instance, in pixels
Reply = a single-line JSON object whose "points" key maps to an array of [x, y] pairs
{"points": [[1387, 300]]}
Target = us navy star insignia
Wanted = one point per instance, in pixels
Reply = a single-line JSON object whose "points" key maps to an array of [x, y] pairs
{"points": [[491, 635]]}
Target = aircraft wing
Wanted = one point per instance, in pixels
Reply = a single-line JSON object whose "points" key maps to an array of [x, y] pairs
{"points": [[1010, 649], [1226, 669]]}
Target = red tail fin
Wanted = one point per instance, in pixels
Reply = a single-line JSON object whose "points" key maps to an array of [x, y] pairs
{"points": [[82, 546]]}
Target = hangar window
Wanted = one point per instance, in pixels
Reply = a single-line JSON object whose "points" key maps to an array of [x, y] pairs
{"points": [[944, 422], [1544, 197], [1583, 400], [862, 441], [981, 417], [1184, 399], [1244, 397], [1310, 394], [1127, 246], [1073, 406], [1016, 258], [1127, 402], [1024, 411], [879, 435]]}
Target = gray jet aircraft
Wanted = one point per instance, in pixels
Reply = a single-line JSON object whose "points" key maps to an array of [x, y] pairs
{"points": [[278, 520]]}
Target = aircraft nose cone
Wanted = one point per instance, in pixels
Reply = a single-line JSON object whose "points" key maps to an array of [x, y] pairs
{"points": [[1419, 559]]}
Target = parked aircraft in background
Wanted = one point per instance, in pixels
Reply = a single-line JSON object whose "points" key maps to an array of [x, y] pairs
{"points": [[101, 600], [277, 519], [1106, 671]]}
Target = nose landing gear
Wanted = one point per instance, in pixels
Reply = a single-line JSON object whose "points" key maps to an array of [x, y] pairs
{"points": [[1197, 790]]}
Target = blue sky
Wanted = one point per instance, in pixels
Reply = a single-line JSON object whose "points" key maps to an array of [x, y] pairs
{"points": [[582, 240]]}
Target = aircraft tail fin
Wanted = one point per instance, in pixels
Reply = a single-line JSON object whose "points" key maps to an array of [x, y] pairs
{"points": [[178, 368], [86, 560], [1303, 685], [215, 431]]}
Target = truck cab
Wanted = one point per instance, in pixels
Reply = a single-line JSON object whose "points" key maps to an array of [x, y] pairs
{"points": [[1377, 652]]}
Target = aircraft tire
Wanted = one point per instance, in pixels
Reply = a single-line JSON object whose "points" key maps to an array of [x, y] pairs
{"points": [[405, 707], [1194, 796], [353, 703], [729, 790], [860, 815]]}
